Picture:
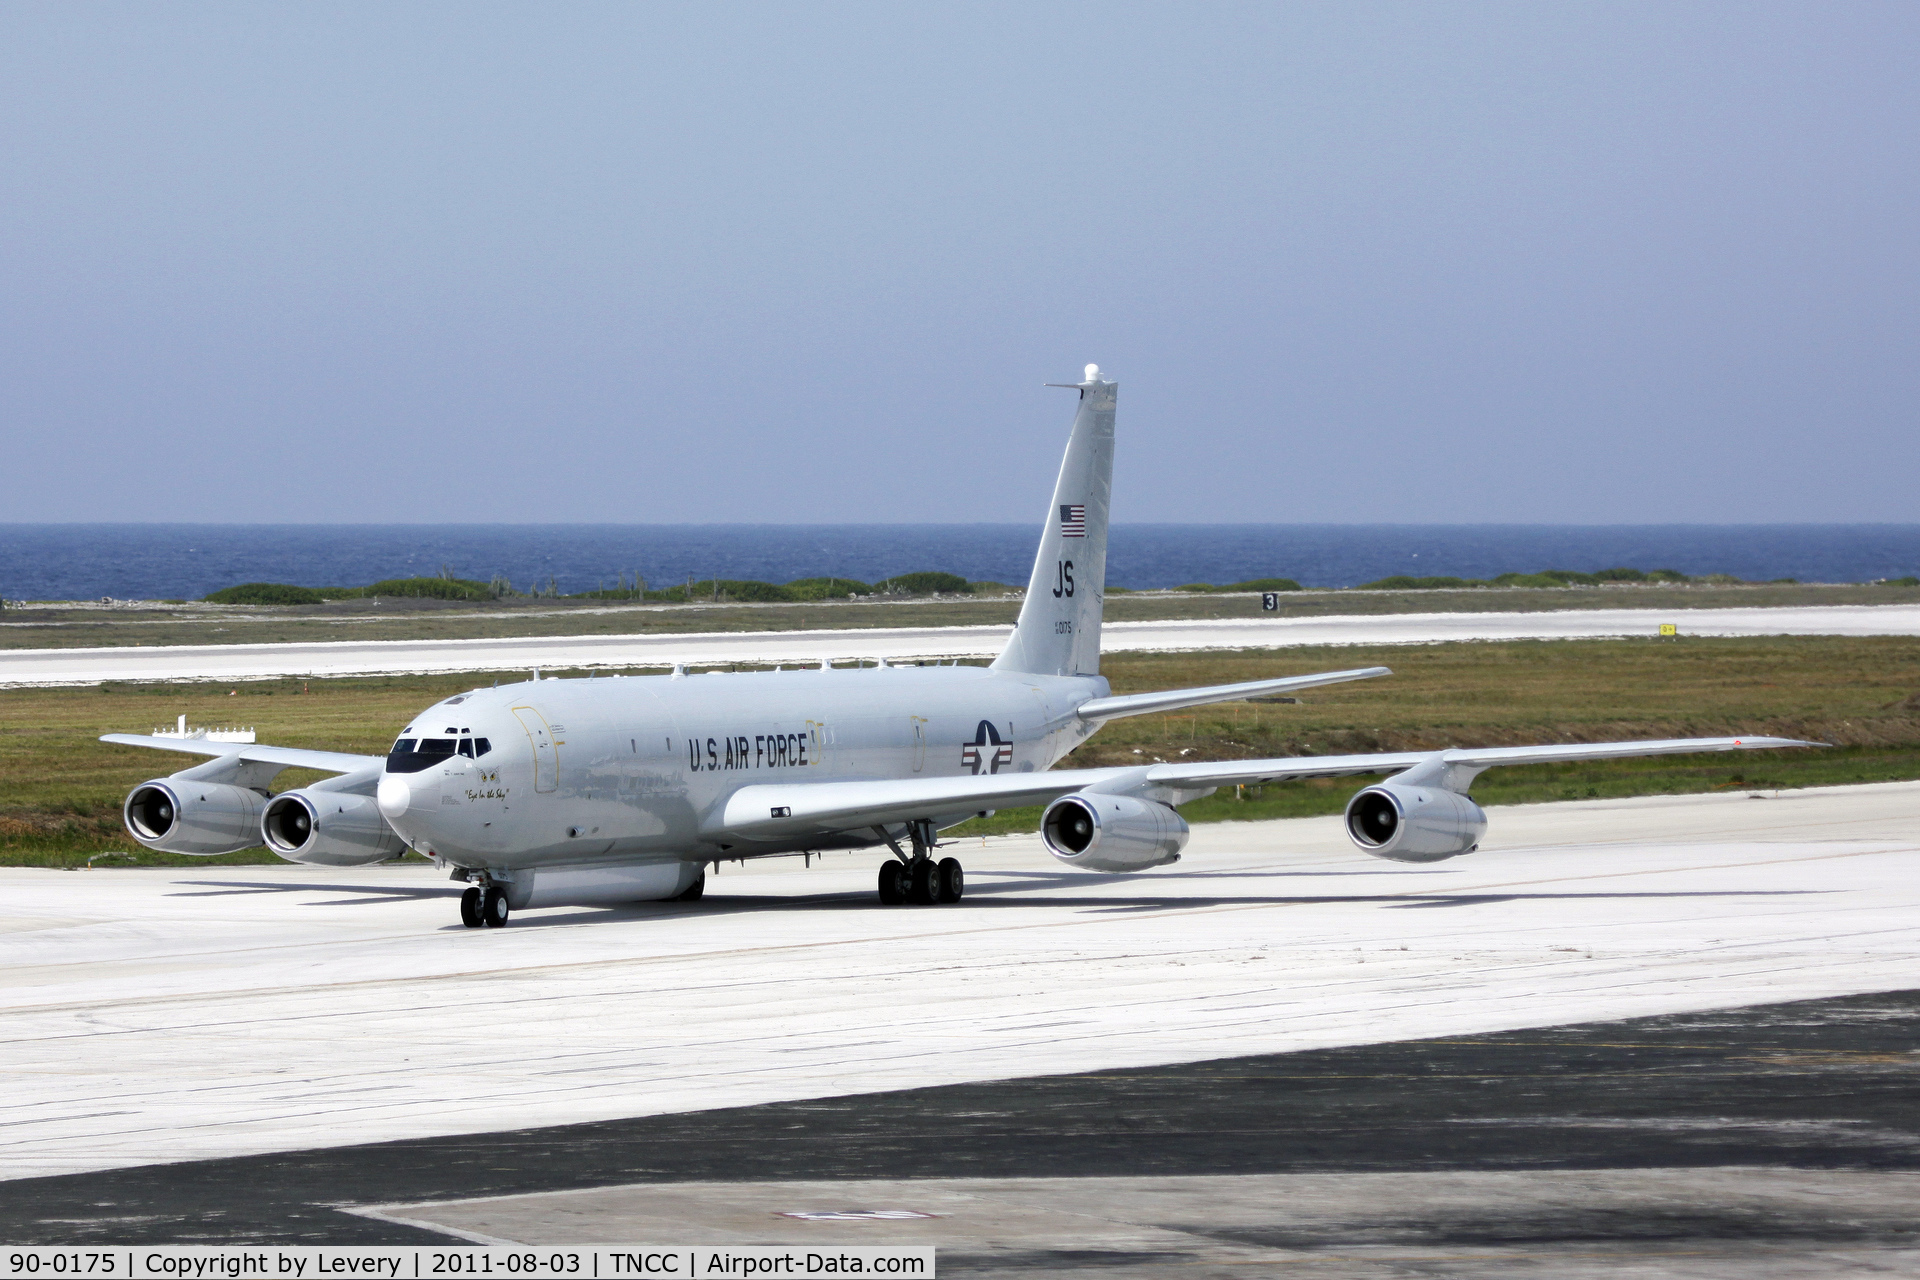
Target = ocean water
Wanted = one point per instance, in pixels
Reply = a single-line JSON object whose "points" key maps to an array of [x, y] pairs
{"points": [[186, 561]]}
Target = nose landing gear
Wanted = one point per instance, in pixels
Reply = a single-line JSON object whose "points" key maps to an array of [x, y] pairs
{"points": [[918, 878]]}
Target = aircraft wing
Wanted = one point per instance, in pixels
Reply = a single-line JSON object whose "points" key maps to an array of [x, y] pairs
{"points": [[292, 757], [1225, 773], [1139, 704], [785, 811]]}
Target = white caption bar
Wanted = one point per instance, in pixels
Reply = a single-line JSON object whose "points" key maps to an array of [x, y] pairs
{"points": [[496, 1262]]}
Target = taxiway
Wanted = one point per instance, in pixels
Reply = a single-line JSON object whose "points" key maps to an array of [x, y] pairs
{"points": [[47, 667], [171, 1015]]}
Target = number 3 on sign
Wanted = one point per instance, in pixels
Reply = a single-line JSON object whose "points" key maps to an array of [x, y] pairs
{"points": [[1270, 601]]}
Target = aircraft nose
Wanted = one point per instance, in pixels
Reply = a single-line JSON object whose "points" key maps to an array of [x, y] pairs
{"points": [[394, 795]]}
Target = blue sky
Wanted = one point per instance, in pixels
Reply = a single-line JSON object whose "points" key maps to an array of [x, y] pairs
{"points": [[1543, 263]]}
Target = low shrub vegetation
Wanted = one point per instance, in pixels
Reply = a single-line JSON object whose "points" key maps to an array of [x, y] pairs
{"points": [[709, 590], [419, 588], [266, 593], [1544, 578]]}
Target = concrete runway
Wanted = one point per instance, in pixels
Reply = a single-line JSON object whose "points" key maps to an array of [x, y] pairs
{"points": [[1723, 1222], [1768, 1140], [170, 1015], [29, 667]]}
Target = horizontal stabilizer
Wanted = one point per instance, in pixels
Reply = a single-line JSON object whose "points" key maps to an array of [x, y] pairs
{"points": [[1140, 704]]}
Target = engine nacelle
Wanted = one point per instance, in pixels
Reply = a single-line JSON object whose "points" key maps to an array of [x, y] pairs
{"points": [[1112, 833], [204, 819], [329, 828], [1414, 824]]}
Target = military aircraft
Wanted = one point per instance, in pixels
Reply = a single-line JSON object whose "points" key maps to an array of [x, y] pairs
{"points": [[622, 789]]}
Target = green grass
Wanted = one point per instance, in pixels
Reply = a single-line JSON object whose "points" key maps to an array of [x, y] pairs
{"points": [[61, 789]]}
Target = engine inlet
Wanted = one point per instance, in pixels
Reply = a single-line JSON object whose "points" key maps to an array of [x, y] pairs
{"points": [[1069, 827], [288, 825], [150, 812], [1373, 819]]}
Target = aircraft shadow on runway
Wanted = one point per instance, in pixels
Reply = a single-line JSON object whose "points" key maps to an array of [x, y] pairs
{"points": [[981, 897], [1109, 905], [373, 893]]}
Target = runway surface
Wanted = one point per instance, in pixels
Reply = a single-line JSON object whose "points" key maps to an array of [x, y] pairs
{"points": [[1737, 1222], [1770, 1140], [169, 1015], [28, 667]]}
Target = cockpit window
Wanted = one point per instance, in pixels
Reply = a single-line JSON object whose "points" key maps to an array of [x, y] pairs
{"points": [[481, 746], [466, 747], [408, 756]]}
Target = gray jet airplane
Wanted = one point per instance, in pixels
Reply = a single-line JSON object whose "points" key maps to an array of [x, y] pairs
{"points": [[624, 789]]}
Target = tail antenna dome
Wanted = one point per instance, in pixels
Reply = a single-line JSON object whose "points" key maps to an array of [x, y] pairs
{"points": [[1093, 373]]}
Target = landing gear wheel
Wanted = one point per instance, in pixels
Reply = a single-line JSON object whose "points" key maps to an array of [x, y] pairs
{"points": [[693, 891], [494, 910], [926, 883], [893, 890], [470, 908], [952, 879]]}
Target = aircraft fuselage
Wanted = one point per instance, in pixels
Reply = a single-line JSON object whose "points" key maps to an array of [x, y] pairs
{"points": [[625, 769]]}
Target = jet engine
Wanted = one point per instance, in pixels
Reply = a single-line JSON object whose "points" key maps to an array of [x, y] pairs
{"points": [[1112, 833], [1414, 824], [205, 819], [329, 828]]}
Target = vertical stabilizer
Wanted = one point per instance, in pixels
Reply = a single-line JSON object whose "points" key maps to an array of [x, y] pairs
{"points": [[1059, 628]]}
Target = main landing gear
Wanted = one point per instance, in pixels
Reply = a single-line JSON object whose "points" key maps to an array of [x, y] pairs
{"points": [[919, 879], [486, 906]]}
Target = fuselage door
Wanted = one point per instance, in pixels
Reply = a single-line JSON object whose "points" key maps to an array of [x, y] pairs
{"points": [[546, 760], [919, 743]]}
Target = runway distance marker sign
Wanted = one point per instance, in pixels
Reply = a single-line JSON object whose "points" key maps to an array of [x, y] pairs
{"points": [[542, 1262]]}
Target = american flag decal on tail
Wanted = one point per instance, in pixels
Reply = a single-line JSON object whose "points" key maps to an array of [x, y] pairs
{"points": [[1073, 521]]}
